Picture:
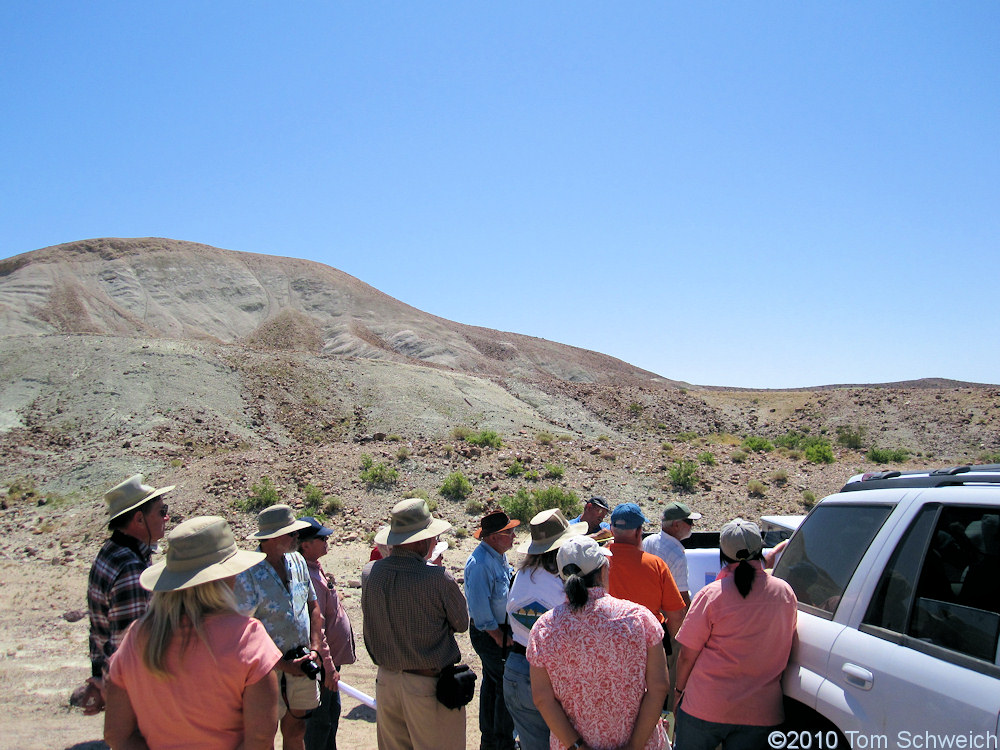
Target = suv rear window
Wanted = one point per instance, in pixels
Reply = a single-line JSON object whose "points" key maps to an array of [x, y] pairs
{"points": [[823, 554]]}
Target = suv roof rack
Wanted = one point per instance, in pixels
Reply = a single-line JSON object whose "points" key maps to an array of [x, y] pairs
{"points": [[949, 476]]}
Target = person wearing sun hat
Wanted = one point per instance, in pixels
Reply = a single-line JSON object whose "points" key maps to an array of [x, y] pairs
{"points": [[735, 643], [487, 582], [411, 612], [208, 682], [598, 674], [536, 589], [137, 518], [279, 592]]}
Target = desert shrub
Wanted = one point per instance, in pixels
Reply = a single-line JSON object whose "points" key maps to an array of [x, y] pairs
{"points": [[564, 438], [545, 438], [609, 456], [887, 455], [756, 488], [808, 498], [531, 476], [485, 439], [417, 492], [525, 504], [332, 505], [738, 457], [820, 453], [603, 438], [635, 408], [23, 487], [554, 471], [850, 436], [706, 458], [448, 450], [666, 447], [989, 458], [757, 444], [778, 476], [460, 532], [366, 461], [176, 463], [455, 486], [723, 438], [683, 475], [403, 453], [379, 475], [795, 455], [515, 468], [461, 432], [791, 439], [474, 507], [686, 437], [432, 504], [313, 499], [262, 495]]}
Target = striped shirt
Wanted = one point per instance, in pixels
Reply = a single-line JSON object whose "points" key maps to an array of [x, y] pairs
{"points": [[114, 597], [411, 612]]}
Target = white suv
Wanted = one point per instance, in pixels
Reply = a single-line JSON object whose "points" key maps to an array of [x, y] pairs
{"points": [[898, 581]]}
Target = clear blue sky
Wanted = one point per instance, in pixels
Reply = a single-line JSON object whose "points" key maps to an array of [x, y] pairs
{"points": [[760, 194]]}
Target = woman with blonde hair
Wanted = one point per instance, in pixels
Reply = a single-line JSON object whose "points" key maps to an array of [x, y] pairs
{"points": [[193, 672]]}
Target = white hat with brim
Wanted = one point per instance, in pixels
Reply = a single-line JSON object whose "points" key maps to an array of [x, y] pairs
{"points": [[200, 550], [277, 520], [130, 494], [412, 521], [549, 529], [382, 535], [584, 553]]}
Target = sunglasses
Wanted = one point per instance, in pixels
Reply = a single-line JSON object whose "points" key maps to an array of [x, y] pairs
{"points": [[688, 521], [163, 511]]}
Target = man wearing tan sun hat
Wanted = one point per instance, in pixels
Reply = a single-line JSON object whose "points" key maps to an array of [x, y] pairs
{"points": [[137, 518], [411, 612], [279, 592]]}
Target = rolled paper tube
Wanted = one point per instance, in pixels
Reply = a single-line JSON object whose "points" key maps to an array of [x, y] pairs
{"points": [[356, 694]]}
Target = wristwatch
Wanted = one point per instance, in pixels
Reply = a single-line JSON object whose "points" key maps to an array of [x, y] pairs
{"points": [[577, 745]]}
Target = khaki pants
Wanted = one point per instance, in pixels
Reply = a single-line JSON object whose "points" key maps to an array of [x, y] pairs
{"points": [[409, 717]]}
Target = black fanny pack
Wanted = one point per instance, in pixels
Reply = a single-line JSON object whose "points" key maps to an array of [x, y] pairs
{"points": [[456, 685]]}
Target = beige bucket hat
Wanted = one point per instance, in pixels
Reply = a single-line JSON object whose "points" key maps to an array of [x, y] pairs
{"points": [[411, 521], [549, 529], [130, 494], [277, 520], [200, 550]]}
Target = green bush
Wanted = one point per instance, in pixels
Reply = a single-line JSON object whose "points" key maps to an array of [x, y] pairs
{"points": [[485, 439], [313, 499], [808, 498], [531, 476], [515, 468], [554, 471], [820, 453], [887, 455], [989, 458], [635, 408], [403, 453], [460, 532], [666, 447], [706, 458], [850, 436], [757, 444], [417, 492], [778, 476], [460, 433], [379, 475], [262, 495], [545, 438], [474, 507], [738, 457], [756, 488], [686, 437], [366, 461], [683, 475], [455, 486], [791, 439], [525, 504]]}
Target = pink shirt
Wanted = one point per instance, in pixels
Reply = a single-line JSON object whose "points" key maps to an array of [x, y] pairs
{"points": [[338, 646], [743, 647], [596, 661], [201, 705]]}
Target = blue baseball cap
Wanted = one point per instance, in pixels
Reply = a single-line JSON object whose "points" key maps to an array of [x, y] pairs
{"points": [[627, 516], [314, 529]]}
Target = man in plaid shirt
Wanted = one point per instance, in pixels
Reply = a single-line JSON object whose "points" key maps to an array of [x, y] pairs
{"points": [[138, 519]]}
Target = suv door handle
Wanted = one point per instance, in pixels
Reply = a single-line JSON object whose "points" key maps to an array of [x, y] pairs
{"points": [[858, 676]]}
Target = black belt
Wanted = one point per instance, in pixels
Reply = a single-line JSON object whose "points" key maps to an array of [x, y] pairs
{"points": [[517, 648]]}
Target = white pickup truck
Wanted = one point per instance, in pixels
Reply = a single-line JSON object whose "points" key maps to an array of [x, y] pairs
{"points": [[898, 582]]}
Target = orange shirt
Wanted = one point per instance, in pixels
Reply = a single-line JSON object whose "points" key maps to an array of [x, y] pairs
{"points": [[644, 579]]}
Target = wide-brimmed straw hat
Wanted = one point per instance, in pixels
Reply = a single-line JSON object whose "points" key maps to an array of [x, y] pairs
{"points": [[277, 520], [549, 529], [130, 494], [200, 550], [411, 521], [493, 522]]}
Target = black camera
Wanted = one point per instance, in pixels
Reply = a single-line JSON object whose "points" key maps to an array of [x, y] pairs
{"points": [[311, 669]]}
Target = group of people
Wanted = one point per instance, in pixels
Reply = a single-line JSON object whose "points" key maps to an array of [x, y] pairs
{"points": [[574, 644], [213, 646]]}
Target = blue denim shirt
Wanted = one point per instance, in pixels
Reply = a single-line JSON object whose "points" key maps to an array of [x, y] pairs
{"points": [[283, 611], [487, 581], [604, 524]]}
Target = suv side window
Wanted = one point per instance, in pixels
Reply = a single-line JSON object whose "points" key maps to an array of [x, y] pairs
{"points": [[822, 555], [942, 585]]}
